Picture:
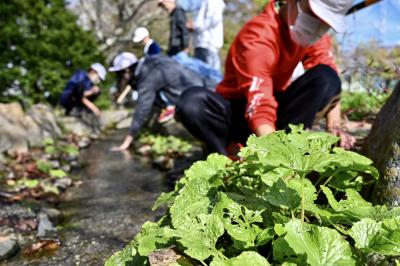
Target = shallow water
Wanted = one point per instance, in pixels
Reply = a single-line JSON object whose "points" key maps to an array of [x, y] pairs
{"points": [[107, 210]]}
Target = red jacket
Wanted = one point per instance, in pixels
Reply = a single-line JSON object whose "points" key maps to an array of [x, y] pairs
{"points": [[261, 61]]}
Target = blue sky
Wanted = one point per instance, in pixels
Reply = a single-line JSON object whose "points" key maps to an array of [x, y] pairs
{"points": [[380, 22]]}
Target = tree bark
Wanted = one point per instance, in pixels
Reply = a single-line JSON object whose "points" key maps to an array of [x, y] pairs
{"points": [[382, 145]]}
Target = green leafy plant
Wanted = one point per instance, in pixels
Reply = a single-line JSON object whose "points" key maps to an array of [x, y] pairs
{"points": [[167, 146], [291, 199], [362, 105], [59, 148]]}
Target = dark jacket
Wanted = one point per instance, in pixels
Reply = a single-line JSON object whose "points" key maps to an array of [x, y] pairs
{"points": [[160, 73], [153, 49], [74, 90], [179, 34]]}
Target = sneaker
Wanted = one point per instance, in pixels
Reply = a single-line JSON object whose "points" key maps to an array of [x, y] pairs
{"points": [[167, 114]]}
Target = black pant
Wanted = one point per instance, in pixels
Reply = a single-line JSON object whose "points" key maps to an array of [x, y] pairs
{"points": [[218, 121]]}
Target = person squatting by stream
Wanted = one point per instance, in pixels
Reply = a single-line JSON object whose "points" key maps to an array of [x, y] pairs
{"points": [[150, 76], [82, 90], [256, 95]]}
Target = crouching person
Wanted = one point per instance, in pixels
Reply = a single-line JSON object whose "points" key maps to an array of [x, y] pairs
{"points": [[82, 90], [150, 76], [256, 95]]}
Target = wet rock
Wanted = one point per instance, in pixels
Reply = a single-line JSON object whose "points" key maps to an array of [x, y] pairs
{"points": [[19, 130], [8, 247], [144, 150], [63, 183], [44, 117], [167, 257], [110, 118], [164, 162], [84, 142], [55, 164], [13, 133], [125, 123], [54, 215], [66, 168], [45, 228], [15, 210], [76, 126]]}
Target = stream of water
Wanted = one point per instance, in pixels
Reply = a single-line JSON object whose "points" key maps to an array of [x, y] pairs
{"points": [[107, 210]]}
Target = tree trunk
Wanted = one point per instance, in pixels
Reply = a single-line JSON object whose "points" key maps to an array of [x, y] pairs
{"points": [[383, 146]]}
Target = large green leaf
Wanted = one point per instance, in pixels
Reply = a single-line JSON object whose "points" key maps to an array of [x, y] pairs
{"points": [[320, 245], [199, 236], [242, 224], [207, 169], [192, 200], [354, 207], [282, 196], [249, 258], [377, 237], [150, 238]]}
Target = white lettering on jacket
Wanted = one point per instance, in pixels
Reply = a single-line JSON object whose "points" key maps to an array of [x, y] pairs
{"points": [[256, 99]]}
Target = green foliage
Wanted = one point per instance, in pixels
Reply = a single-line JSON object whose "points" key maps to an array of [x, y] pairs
{"points": [[264, 208], [41, 47], [59, 148], [362, 105], [161, 145]]}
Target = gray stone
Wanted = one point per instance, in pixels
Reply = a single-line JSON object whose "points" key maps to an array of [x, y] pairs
{"points": [[167, 257], [66, 168], [110, 118], [45, 227], [76, 126], [164, 162], [19, 130], [44, 117], [53, 214], [8, 247], [383, 146], [63, 183], [84, 142], [125, 123]]}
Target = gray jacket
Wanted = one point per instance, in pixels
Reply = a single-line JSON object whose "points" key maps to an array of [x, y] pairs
{"points": [[160, 73]]}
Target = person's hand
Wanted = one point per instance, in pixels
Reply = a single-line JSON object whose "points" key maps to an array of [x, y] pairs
{"points": [[190, 25], [347, 141], [125, 145], [97, 113]]}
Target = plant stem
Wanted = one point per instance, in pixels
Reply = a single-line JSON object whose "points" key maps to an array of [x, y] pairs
{"points": [[302, 199], [324, 184]]}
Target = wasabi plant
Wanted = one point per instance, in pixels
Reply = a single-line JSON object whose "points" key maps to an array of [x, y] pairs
{"points": [[292, 199]]}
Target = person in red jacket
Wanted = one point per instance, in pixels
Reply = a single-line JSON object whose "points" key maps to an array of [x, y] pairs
{"points": [[257, 94]]}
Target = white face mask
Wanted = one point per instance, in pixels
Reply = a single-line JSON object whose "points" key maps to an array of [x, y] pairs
{"points": [[94, 78], [306, 29]]}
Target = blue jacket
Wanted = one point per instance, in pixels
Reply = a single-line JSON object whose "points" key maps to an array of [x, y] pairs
{"points": [[153, 49], [76, 86]]}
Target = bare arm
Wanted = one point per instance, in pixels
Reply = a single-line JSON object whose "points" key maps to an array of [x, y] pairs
{"points": [[125, 145], [93, 90], [91, 106], [264, 129], [334, 126]]}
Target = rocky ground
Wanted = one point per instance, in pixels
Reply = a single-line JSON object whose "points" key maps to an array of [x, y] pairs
{"points": [[38, 150]]}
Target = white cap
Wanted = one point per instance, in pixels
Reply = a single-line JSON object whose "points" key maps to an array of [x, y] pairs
{"points": [[140, 34], [160, 1], [100, 70], [332, 12], [122, 61]]}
